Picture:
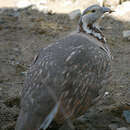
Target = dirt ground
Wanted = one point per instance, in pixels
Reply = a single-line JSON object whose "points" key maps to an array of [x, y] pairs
{"points": [[24, 32]]}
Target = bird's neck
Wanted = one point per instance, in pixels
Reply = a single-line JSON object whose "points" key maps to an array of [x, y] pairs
{"points": [[94, 31]]}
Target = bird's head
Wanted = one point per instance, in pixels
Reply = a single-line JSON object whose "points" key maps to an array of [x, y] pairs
{"points": [[88, 23], [91, 15]]}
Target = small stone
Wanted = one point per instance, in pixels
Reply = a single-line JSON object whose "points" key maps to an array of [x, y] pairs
{"points": [[126, 33], [74, 14], [106, 94], [23, 73], [123, 128], [108, 27], [126, 114], [16, 49], [113, 126]]}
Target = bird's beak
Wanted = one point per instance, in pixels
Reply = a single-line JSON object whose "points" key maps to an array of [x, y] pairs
{"points": [[105, 9]]}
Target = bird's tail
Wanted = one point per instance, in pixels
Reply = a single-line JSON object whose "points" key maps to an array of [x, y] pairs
{"points": [[49, 118]]}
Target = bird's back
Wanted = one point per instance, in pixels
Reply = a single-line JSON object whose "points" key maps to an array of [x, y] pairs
{"points": [[53, 62], [71, 72]]}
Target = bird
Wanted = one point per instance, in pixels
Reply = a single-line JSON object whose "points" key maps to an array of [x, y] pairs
{"points": [[65, 77]]}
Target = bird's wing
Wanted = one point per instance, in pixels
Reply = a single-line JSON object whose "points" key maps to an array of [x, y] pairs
{"points": [[33, 73], [83, 76], [38, 102]]}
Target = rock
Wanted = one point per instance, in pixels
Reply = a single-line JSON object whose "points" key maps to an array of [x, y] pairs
{"points": [[74, 14], [42, 2], [68, 3], [123, 9], [23, 4], [113, 126], [40, 5], [123, 128], [42, 8], [101, 2], [111, 3], [126, 114], [121, 1], [126, 34]]}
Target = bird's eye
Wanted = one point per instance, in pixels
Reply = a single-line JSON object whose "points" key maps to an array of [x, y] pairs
{"points": [[93, 10]]}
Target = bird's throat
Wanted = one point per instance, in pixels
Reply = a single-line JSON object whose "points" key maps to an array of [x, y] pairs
{"points": [[93, 30]]}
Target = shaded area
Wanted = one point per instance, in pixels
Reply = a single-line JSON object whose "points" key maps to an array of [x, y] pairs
{"points": [[24, 32]]}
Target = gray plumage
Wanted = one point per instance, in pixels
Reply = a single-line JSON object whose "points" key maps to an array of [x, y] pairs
{"points": [[64, 81]]}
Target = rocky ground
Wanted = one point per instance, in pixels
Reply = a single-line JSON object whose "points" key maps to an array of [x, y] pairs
{"points": [[23, 32]]}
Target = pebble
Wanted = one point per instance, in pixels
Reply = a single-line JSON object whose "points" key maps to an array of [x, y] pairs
{"points": [[106, 94], [23, 73], [126, 34]]}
